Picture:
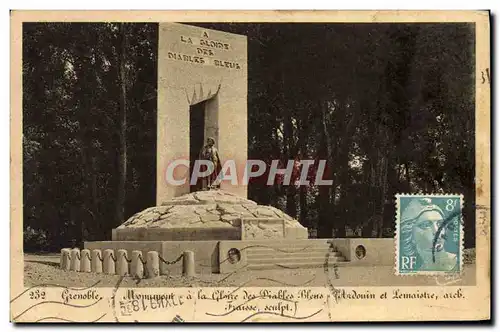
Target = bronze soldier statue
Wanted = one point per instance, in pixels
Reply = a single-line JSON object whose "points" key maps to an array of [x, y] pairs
{"points": [[209, 152]]}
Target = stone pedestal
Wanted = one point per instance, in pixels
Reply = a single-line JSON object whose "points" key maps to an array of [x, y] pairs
{"points": [[75, 260], [209, 215], [136, 266], [188, 265], [96, 261], [152, 264], [85, 261], [65, 260], [108, 264], [121, 262]]}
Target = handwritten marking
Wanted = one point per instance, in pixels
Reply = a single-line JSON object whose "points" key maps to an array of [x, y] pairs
{"points": [[281, 315], [178, 319], [269, 247], [225, 278], [55, 302], [487, 78], [440, 229], [113, 297], [137, 279], [274, 280], [326, 269], [68, 320], [454, 279]]}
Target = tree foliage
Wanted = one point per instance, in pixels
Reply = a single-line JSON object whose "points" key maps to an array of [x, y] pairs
{"points": [[389, 106], [72, 106]]}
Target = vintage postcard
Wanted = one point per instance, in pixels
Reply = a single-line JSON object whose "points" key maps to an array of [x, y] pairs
{"points": [[287, 166]]}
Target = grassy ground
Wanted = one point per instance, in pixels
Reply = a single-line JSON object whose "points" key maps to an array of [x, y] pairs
{"points": [[44, 269]]}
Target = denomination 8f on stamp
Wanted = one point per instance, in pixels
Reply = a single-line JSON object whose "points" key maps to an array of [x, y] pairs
{"points": [[429, 234]]}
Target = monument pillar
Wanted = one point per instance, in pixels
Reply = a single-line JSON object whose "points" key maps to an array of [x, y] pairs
{"points": [[198, 65]]}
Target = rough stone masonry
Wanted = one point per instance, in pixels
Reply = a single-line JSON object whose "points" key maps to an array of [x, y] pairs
{"points": [[206, 215]]}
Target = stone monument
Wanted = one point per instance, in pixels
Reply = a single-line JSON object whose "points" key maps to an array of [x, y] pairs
{"points": [[202, 95]]}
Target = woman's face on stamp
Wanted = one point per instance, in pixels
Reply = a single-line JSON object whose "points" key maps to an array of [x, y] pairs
{"points": [[424, 233]]}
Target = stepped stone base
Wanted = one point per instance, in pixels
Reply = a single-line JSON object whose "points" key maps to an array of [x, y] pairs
{"points": [[262, 254], [227, 233], [229, 256], [377, 251]]}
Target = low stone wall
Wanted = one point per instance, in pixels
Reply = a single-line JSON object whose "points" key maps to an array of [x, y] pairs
{"points": [[118, 262], [143, 246], [366, 251], [206, 253], [233, 255], [206, 256], [227, 256]]}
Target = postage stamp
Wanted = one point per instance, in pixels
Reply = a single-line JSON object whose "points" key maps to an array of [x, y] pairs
{"points": [[231, 166], [429, 234]]}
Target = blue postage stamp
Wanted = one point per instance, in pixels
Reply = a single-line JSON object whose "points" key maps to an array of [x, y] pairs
{"points": [[429, 234]]}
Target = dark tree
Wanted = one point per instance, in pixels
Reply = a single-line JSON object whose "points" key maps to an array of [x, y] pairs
{"points": [[390, 107]]}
